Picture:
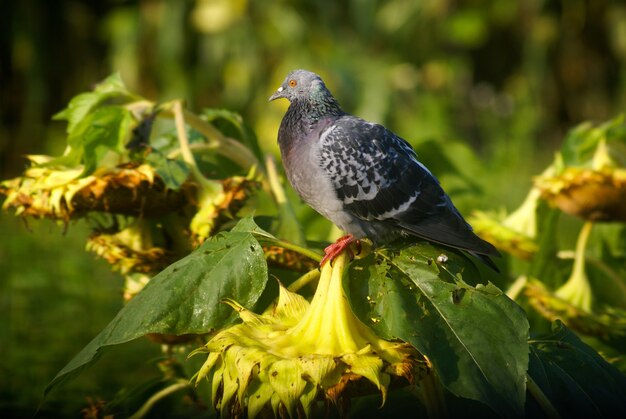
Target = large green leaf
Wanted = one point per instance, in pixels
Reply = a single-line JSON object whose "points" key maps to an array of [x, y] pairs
{"points": [[186, 297], [476, 337], [574, 378]]}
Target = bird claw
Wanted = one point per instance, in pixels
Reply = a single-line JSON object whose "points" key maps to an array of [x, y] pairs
{"points": [[336, 248]]}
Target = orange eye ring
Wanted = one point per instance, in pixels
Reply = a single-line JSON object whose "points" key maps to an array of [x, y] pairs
{"points": [[293, 83]]}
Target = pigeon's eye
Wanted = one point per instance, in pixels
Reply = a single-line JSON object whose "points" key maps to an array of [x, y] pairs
{"points": [[292, 83]]}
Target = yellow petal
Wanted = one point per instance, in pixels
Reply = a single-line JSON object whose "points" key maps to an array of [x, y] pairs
{"points": [[259, 393], [285, 377]]}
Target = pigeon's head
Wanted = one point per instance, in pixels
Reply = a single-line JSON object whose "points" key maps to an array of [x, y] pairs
{"points": [[301, 84]]}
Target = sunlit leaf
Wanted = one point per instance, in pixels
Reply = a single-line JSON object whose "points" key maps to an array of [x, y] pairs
{"points": [[186, 297]]}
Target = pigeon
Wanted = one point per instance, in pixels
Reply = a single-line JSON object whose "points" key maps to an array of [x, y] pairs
{"points": [[363, 177]]}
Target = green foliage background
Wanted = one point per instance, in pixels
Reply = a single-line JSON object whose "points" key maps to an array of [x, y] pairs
{"points": [[502, 79]]}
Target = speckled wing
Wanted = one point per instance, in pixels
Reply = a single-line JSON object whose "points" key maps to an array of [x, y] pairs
{"points": [[378, 178]]}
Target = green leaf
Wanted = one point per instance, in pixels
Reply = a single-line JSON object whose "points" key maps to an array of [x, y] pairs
{"points": [[616, 140], [173, 172], [455, 161], [103, 130], [580, 144], [476, 338], [185, 297], [82, 113], [81, 105], [242, 131], [112, 84], [287, 225], [542, 265], [574, 378], [109, 127], [78, 108], [247, 225], [234, 118], [582, 141]]}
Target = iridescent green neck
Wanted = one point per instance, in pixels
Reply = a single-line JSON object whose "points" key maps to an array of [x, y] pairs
{"points": [[318, 104]]}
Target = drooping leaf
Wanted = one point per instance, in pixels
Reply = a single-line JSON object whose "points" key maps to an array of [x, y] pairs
{"points": [[476, 337], [574, 378], [185, 297]]}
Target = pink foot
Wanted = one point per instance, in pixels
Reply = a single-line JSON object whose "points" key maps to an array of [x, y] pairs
{"points": [[333, 250]]}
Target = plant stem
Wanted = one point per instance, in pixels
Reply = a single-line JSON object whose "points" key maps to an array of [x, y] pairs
{"points": [[139, 106], [149, 404], [516, 287], [577, 290], [598, 263], [199, 148], [228, 147], [432, 395], [275, 186], [304, 280], [289, 227], [543, 401], [581, 245], [290, 246], [186, 151]]}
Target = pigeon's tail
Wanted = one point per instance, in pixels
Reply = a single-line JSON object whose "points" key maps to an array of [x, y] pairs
{"points": [[462, 238]]}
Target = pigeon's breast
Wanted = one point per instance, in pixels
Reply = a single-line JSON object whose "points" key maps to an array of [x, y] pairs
{"points": [[305, 172]]}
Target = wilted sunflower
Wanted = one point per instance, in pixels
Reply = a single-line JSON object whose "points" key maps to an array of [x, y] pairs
{"points": [[298, 352]]}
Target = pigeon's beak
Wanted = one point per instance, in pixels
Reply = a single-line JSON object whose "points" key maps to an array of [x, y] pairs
{"points": [[277, 94]]}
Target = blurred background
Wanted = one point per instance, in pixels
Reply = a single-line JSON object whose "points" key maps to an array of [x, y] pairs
{"points": [[491, 85]]}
